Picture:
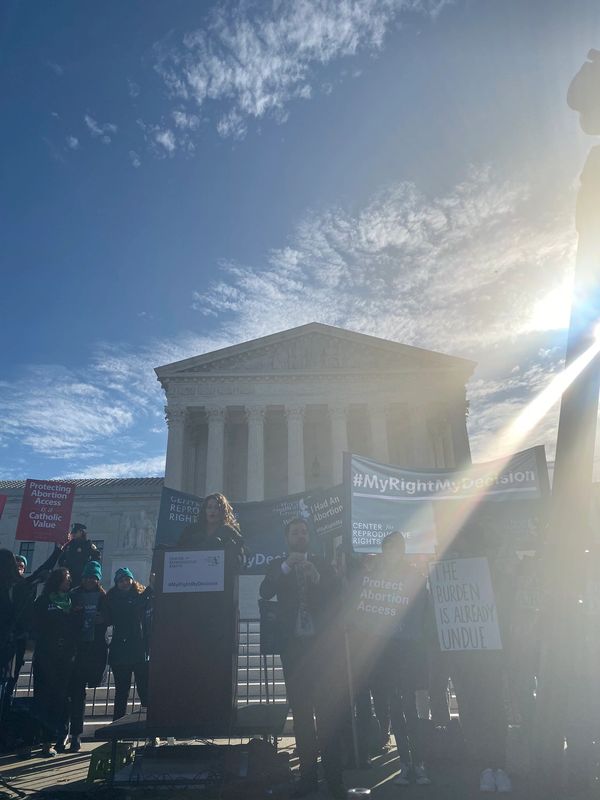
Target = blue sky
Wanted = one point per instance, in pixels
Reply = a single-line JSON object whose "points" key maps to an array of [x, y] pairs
{"points": [[181, 176]]}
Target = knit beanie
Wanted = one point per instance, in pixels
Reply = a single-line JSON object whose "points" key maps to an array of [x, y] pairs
{"points": [[23, 559], [123, 572], [92, 570]]}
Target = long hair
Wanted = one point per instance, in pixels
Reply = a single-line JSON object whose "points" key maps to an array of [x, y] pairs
{"points": [[227, 515], [54, 580], [9, 572], [138, 587]]}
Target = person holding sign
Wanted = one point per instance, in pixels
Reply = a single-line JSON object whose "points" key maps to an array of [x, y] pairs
{"points": [[308, 593], [391, 608], [465, 593], [217, 528]]}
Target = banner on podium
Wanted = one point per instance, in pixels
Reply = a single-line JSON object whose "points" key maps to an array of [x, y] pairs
{"points": [[194, 571]]}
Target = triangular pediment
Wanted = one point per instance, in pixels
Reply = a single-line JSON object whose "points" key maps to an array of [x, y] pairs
{"points": [[313, 348]]}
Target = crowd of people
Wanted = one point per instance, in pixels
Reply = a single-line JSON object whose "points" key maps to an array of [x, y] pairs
{"points": [[68, 623], [350, 685], [361, 680]]}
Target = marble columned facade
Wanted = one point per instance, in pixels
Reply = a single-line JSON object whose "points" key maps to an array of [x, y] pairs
{"points": [[273, 416]]}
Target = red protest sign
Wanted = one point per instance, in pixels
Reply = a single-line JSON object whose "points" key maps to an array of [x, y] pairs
{"points": [[3, 499], [45, 511]]}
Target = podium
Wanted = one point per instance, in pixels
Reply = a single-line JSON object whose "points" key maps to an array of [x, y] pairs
{"points": [[194, 647]]}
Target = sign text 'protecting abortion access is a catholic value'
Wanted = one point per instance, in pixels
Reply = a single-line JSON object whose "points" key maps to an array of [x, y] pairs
{"points": [[194, 571], [464, 603], [45, 511]]}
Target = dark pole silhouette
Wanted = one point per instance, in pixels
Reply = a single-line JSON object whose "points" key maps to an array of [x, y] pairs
{"points": [[562, 690]]}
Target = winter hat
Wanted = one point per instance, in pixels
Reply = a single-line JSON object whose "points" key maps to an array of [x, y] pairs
{"points": [[92, 570], [123, 572], [23, 559]]}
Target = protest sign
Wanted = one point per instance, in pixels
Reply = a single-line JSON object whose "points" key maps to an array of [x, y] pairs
{"points": [[391, 604], [177, 510], [464, 605], [45, 511], [422, 504], [326, 509], [262, 523], [3, 499], [194, 571]]}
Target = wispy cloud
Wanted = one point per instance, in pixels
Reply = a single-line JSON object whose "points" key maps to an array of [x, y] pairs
{"points": [[256, 58], [497, 400], [458, 271], [464, 272], [72, 142], [143, 467], [55, 152], [186, 121], [57, 69], [165, 139], [473, 271], [104, 131], [133, 88], [135, 159], [60, 414], [163, 142]]}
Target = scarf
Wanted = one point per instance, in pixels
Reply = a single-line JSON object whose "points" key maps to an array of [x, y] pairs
{"points": [[61, 600]]}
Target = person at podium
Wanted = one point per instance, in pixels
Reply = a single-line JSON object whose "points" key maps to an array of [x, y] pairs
{"points": [[216, 529], [308, 594]]}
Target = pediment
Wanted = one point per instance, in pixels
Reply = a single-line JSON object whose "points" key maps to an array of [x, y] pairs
{"points": [[314, 351], [312, 348]]}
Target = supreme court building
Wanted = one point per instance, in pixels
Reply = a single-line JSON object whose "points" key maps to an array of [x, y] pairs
{"points": [[272, 416]]}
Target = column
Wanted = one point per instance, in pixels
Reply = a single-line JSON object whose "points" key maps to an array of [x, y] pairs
{"points": [[441, 435], [215, 449], [191, 472], [423, 455], [379, 432], [339, 440], [255, 482], [176, 418], [295, 430], [458, 414]]}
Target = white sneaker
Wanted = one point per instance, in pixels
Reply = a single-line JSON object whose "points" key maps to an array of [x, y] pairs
{"points": [[503, 782], [402, 778], [487, 781], [421, 775]]}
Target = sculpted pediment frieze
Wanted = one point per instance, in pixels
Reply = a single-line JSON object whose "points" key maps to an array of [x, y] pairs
{"points": [[306, 353]]}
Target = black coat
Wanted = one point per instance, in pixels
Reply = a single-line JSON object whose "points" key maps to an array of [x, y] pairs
{"points": [[55, 632], [54, 655], [26, 592], [225, 537], [322, 599], [127, 614], [90, 657], [76, 555], [16, 607]]}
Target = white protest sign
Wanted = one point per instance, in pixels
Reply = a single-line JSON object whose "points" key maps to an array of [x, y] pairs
{"points": [[392, 605], [464, 603], [194, 571]]}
